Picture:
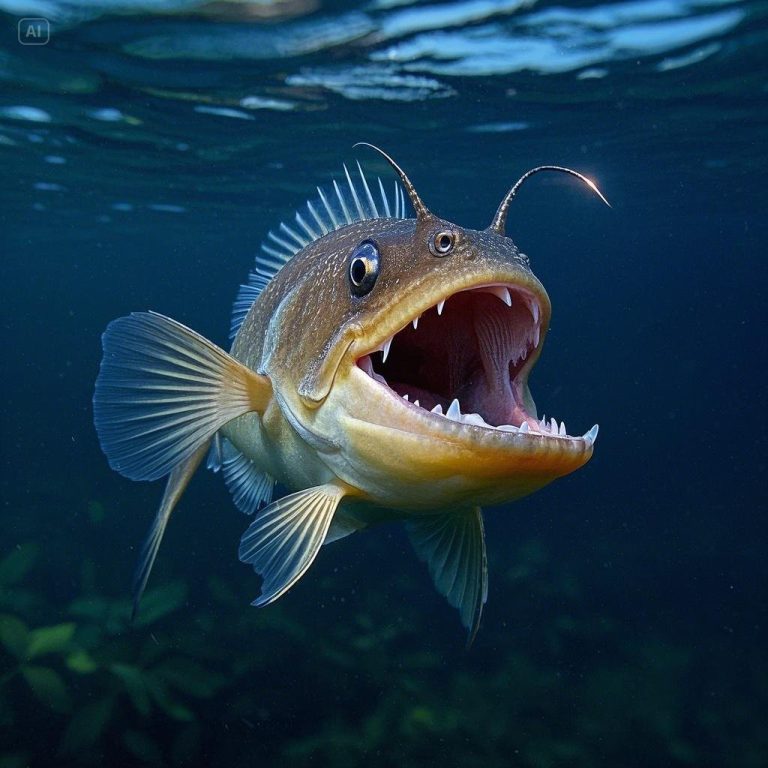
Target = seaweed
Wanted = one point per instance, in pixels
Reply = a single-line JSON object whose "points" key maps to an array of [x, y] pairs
{"points": [[202, 679], [108, 679]]}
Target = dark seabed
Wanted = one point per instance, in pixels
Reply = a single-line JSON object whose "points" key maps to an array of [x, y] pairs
{"points": [[147, 149]]}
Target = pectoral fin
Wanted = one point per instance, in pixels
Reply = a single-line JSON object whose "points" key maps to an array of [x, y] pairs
{"points": [[453, 546], [285, 537], [162, 391]]}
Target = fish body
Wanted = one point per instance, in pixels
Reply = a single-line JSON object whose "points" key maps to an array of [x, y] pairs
{"points": [[379, 370]]}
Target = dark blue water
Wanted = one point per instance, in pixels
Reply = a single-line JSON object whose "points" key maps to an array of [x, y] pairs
{"points": [[147, 148]]}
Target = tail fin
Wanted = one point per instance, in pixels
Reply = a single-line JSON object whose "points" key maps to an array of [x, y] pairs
{"points": [[162, 391], [174, 488]]}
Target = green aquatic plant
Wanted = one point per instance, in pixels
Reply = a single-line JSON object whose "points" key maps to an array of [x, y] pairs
{"points": [[15, 596], [28, 646], [357, 677], [101, 676]]}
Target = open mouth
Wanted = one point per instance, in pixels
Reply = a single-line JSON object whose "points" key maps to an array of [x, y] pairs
{"points": [[467, 359]]}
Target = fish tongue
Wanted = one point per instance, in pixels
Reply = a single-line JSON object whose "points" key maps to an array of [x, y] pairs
{"points": [[502, 340], [498, 346]]}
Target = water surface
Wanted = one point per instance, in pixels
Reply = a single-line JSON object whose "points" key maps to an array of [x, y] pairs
{"points": [[146, 150]]}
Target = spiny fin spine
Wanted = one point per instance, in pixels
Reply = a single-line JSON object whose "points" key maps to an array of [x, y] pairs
{"points": [[333, 209]]}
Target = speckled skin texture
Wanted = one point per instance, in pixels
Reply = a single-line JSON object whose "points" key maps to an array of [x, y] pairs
{"points": [[330, 422]]}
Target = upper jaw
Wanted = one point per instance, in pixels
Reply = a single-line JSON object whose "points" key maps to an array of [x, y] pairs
{"points": [[490, 354], [386, 328]]}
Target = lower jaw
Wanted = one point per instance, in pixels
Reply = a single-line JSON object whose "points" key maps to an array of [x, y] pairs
{"points": [[411, 463], [513, 417], [367, 403]]}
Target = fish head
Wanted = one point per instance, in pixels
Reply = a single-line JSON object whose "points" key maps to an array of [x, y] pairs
{"points": [[404, 351]]}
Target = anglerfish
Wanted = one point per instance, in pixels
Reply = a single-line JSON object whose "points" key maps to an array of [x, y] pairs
{"points": [[378, 371]]}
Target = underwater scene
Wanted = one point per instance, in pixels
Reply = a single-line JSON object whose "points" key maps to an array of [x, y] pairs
{"points": [[616, 616]]}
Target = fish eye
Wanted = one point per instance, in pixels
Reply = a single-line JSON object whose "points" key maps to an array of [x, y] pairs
{"points": [[364, 264], [441, 243]]}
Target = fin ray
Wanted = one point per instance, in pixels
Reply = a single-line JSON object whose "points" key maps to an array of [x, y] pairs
{"points": [[302, 222], [453, 546], [290, 249], [284, 539], [347, 217], [358, 205], [316, 216], [384, 200], [300, 241], [352, 201], [258, 280], [215, 455], [374, 213], [145, 436], [331, 214], [174, 488], [250, 486]]}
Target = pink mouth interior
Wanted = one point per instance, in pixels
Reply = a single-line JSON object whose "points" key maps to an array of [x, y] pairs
{"points": [[473, 352]]}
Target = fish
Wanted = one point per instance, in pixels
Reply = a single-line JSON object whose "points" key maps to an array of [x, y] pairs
{"points": [[378, 371]]}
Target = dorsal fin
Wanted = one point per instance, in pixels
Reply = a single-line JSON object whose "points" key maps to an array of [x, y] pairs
{"points": [[341, 204]]}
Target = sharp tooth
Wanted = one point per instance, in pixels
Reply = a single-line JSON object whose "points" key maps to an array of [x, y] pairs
{"points": [[405, 397], [440, 307], [533, 308], [507, 428], [454, 411], [416, 403], [502, 293], [591, 435], [437, 409], [536, 334], [563, 433], [553, 426], [387, 345], [524, 428], [475, 419], [415, 323]]}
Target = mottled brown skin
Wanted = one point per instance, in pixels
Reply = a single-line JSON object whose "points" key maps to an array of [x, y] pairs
{"points": [[329, 422], [324, 315]]}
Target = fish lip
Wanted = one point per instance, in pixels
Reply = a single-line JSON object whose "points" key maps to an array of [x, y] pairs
{"points": [[535, 429], [442, 427]]}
